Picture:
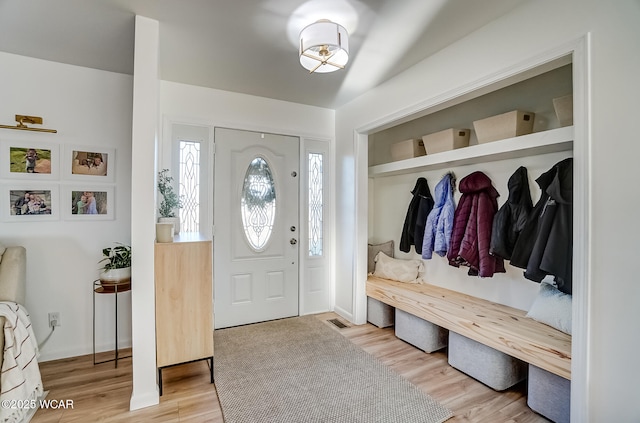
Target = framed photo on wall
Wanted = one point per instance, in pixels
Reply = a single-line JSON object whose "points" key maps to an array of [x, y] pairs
{"points": [[29, 202], [88, 202], [29, 160], [89, 163]]}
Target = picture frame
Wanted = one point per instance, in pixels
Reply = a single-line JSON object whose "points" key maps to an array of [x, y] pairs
{"points": [[29, 202], [88, 202], [89, 163], [29, 160]]}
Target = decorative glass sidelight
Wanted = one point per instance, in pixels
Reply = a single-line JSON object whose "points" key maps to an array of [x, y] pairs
{"points": [[258, 203], [190, 186], [315, 204]]}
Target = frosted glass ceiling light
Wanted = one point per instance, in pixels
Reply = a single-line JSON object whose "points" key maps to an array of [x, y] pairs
{"points": [[324, 47]]}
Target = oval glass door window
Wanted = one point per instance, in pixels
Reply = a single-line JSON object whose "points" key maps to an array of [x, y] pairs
{"points": [[258, 203]]}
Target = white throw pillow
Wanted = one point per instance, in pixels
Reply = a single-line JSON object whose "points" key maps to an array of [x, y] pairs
{"points": [[552, 307], [396, 269], [2, 250]]}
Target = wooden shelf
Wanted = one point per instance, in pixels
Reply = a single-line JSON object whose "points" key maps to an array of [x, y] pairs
{"points": [[551, 141]]}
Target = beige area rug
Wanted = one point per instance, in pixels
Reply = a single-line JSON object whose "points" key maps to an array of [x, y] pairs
{"points": [[301, 370]]}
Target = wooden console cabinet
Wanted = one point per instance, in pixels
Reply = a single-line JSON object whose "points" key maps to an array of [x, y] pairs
{"points": [[184, 302]]}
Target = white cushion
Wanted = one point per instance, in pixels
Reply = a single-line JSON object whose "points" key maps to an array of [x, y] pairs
{"points": [[2, 250], [552, 307], [396, 269]]}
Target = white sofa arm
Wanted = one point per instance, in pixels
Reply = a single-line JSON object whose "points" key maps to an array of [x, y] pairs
{"points": [[13, 275], [13, 281]]}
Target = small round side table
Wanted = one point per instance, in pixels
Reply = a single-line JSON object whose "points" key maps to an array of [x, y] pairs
{"points": [[115, 288]]}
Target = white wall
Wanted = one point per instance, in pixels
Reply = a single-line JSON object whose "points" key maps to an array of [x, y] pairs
{"points": [[198, 105], [88, 108], [611, 368]]}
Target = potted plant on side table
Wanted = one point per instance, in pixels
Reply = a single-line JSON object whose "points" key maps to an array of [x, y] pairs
{"points": [[117, 267], [170, 201]]}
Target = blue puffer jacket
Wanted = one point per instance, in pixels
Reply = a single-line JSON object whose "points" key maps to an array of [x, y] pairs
{"points": [[437, 233]]}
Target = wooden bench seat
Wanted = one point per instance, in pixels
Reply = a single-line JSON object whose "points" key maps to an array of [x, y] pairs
{"points": [[501, 327]]}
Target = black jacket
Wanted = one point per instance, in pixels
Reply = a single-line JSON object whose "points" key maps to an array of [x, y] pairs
{"points": [[414, 223], [512, 216], [545, 245]]}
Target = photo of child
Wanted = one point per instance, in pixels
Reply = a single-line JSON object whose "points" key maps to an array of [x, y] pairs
{"points": [[89, 202], [89, 163], [29, 160]]}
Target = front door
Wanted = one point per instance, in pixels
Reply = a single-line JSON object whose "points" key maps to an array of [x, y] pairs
{"points": [[256, 227]]}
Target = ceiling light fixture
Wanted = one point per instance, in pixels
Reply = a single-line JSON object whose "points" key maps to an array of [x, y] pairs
{"points": [[324, 47]]}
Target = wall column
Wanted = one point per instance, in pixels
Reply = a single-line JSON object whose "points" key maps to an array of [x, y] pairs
{"points": [[143, 199]]}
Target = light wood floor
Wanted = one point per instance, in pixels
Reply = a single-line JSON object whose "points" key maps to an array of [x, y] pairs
{"points": [[102, 393]]}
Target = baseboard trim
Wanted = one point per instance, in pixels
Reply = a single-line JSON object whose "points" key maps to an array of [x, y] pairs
{"points": [[344, 313], [80, 351], [145, 399]]}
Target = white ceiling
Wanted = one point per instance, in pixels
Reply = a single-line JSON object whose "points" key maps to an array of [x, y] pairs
{"points": [[244, 45]]}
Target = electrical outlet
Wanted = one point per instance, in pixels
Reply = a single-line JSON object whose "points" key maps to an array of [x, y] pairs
{"points": [[54, 319]]}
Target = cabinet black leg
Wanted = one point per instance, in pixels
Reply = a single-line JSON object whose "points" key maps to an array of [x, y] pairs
{"points": [[209, 361]]}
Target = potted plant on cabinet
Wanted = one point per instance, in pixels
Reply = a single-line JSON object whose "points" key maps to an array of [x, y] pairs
{"points": [[170, 201], [117, 265]]}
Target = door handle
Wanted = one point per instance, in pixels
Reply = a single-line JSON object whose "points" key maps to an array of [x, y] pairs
{"points": [[293, 241]]}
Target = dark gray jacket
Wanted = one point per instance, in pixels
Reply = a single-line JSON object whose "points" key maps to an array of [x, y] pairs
{"points": [[545, 245], [512, 216]]}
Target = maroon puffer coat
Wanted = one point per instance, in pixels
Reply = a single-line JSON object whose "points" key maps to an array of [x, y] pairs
{"points": [[472, 225]]}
